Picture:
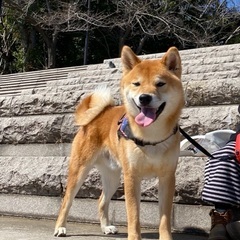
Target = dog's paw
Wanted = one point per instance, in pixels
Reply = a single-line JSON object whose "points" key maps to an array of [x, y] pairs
{"points": [[110, 230], [60, 232]]}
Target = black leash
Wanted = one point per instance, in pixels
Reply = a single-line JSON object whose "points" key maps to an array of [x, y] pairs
{"points": [[124, 130], [195, 143]]}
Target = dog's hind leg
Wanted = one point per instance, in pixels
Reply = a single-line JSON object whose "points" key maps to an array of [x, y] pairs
{"points": [[110, 176], [75, 180], [81, 161]]}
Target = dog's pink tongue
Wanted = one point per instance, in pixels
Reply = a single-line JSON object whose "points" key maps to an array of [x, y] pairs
{"points": [[146, 116]]}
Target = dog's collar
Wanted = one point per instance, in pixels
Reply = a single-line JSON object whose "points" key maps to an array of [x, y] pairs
{"points": [[125, 131]]}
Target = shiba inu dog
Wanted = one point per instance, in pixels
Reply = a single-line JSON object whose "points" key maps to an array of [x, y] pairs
{"points": [[139, 138]]}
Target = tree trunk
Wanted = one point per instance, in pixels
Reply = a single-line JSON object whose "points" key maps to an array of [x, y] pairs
{"points": [[141, 44], [51, 47], [123, 37]]}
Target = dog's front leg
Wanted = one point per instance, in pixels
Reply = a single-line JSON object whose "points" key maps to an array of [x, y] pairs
{"points": [[166, 193], [132, 198]]}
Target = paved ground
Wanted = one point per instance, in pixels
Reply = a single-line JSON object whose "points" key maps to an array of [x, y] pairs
{"points": [[16, 228]]}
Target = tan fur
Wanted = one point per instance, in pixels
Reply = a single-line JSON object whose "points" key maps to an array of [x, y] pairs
{"points": [[92, 105], [97, 143]]}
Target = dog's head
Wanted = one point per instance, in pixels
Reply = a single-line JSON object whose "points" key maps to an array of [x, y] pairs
{"points": [[152, 88]]}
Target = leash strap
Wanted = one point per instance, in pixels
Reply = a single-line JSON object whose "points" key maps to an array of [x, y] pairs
{"points": [[195, 143]]}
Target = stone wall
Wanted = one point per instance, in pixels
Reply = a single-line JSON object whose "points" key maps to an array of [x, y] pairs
{"points": [[37, 126]]}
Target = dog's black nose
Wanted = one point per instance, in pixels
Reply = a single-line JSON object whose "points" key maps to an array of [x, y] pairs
{"points": [[145, 99]]}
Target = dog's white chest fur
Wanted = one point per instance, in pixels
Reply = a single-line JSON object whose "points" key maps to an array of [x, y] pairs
{"points": [[152, 160]]}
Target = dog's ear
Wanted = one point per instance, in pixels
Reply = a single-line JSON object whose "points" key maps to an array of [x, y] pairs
{"points": [[129, 59], [172, 61]]}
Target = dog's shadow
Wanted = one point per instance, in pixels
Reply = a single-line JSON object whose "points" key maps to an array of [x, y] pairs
{"points": [[146, 235], [119, 235]]}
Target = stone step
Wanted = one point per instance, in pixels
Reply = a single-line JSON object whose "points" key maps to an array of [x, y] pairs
{"points": [[217, 63], [20, 86], [200, 120], [224, 57], [31, 86], [211, 72], [215, 92], [193, 72], [187, 218], [76, 91], [32, 78], [211, 68], [10, 93], [36, 150], [94, 73], [27, 169], [55, 128], [98, 66], [206, 63], [197, 93], [80, 80], [207, 54], [14, 84], [209, 76], [212, 52], [48, 100], [63, 99], [37, 104], [39, 73]]}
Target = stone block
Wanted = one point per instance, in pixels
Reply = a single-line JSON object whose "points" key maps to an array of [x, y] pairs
{"points": [[33, 175], [187, 218], [200, 120], [5, 103], [205, 93], [38, 174], [210, 76], [189, 180], [36, 104], [61, 128], [35, 150], [31, 129]]}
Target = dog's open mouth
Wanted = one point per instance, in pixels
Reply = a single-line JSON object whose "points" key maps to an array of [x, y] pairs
{"points": [[148, 115]]}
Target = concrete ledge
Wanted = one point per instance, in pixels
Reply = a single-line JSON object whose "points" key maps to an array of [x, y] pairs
{"points": [[213, 92], [35, 150], [29, 170], [194, 218], [20, 228], [198, 56], [60, 128]]}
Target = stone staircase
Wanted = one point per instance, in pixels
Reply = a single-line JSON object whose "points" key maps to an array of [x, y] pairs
{"points": [[16, 84], [37, 123]]}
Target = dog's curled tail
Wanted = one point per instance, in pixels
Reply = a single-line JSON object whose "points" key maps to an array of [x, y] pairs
{"points": [[93, 105]]}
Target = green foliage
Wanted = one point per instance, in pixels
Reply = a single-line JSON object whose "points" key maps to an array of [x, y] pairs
{"points": [[19, 63], [41, 34]]}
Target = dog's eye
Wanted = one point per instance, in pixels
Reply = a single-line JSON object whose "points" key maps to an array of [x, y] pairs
{"points": [[160, 84], [137, 84]]}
